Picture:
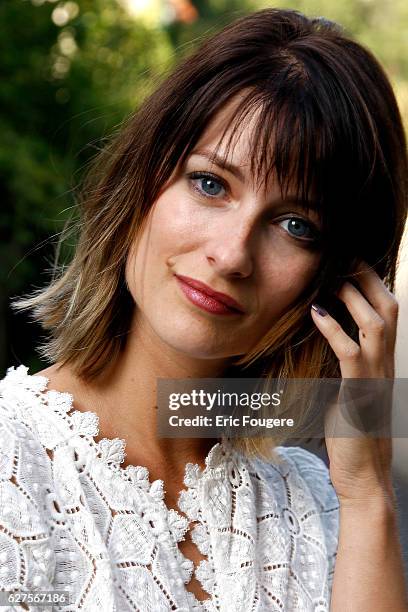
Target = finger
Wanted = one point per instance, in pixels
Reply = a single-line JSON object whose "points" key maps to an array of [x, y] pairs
{"points": [[382, 300], [372, 328], [346, 350]]}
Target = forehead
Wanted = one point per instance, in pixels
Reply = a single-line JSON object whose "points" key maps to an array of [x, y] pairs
{"points": [[231, 139], [269, 143], [220, 129]]}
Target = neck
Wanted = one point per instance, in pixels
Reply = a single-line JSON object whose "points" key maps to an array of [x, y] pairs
{"points": [[125, 400]]}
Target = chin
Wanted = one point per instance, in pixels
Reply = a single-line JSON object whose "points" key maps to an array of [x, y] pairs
{"points": [[192, 343], [195, 349]]}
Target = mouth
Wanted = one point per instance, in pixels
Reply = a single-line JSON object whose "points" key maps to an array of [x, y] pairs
{"points": [[208, 299]]}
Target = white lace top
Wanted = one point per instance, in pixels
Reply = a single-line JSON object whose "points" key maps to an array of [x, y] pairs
{"points": [[72, 519]]}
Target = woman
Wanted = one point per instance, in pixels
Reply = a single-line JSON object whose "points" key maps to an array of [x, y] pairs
{"points": [[270, 166]]}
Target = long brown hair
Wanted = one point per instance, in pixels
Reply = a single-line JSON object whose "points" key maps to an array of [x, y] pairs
{"points": [[329, 123]]}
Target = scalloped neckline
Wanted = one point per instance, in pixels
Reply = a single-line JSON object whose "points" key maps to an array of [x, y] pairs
{"points": [[217, 449]]}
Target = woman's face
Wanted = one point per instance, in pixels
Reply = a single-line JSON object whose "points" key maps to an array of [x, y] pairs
{"points": [[221, 231]]}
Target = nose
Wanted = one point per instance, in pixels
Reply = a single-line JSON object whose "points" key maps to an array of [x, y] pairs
{"points": [[229, 249]]}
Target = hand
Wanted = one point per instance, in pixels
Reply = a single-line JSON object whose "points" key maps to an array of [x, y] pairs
{"points": [[360, 465]]}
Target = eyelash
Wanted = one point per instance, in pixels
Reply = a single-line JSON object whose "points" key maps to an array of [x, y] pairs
{"points": [[207, 175]]}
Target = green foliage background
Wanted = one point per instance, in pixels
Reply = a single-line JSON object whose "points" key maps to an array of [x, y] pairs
{"points": [[71, 72]]}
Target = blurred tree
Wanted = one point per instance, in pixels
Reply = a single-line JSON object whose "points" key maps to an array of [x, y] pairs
{"points": [[68, 81]]}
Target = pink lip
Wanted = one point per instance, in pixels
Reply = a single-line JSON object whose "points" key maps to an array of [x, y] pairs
{"points": [[202, 295]]}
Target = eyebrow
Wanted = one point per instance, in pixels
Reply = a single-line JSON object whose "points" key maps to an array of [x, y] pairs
{"points": [[222, 163]]}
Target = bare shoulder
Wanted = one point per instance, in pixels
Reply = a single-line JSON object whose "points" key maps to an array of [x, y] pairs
{"points": [[54, 373]]}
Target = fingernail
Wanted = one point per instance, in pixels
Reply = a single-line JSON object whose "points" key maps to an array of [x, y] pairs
{"points": [[321, 311]]}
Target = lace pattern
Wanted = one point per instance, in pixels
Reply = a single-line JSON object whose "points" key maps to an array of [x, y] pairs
{"points": [[73, 519]]}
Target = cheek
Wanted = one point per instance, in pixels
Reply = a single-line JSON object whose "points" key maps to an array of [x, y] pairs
{"points": [[173, 222], [168, 231], [285, 282]]}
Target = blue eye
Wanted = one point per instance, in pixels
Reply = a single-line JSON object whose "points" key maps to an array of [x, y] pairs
{"points": [[209, 185], [299, 228]]}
